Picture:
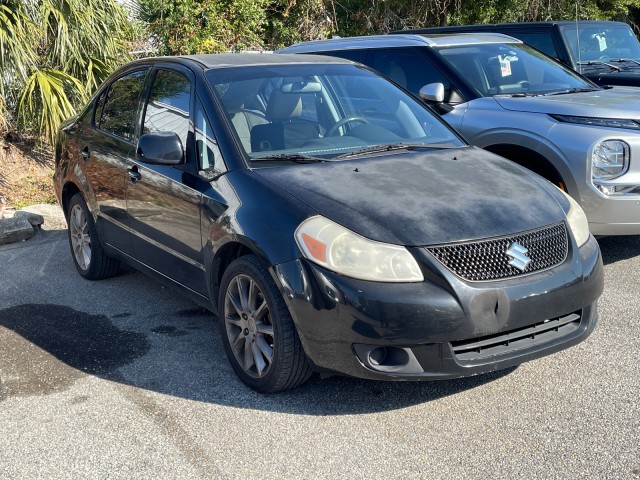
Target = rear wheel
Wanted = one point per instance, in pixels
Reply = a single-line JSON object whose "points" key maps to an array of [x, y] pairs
{"points": [[89, 257], [257, 330]]}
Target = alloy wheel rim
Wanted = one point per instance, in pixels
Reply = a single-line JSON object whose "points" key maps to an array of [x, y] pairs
{"points": [[80, 238], [248, 325]]}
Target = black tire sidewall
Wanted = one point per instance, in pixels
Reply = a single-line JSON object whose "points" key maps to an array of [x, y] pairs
{"points": [[248, 266], [90, 272]]}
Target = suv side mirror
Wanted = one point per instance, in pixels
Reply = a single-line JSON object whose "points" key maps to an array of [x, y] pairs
{"points": [[160, 148], [432, 93]]}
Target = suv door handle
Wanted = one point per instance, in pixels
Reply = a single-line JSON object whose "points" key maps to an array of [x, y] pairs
{"points": [[134, 175]]}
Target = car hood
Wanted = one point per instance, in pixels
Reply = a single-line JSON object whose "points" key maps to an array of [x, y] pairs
{"points": [[617, 102], [628, 78], [422, 198]]}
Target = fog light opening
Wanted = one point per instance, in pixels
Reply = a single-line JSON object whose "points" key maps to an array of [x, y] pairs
{"points": [[388, 357], [378, 355], [607, 189]]}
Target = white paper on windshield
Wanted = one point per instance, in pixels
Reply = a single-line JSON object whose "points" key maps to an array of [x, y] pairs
{"points": [[505, 66], [602, 42]]}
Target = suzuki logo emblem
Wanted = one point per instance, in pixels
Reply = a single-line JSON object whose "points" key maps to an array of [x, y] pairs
{"points": [[518, 255]]}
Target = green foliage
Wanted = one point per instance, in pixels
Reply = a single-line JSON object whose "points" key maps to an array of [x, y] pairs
{"points": [[291, 21], [45, 100], [54, 53], [204, 26], [363, 17]]}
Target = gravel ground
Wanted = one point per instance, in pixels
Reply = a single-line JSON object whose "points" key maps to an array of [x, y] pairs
{"points": [[125, 379]]}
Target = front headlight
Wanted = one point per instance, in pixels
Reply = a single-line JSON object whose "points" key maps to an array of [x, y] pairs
{"points": [[609, 159], [577, 220], [343, 251], [599, 122]]}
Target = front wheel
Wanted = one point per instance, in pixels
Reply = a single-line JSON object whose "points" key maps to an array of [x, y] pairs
{"points": [[90, 259], [257, 330]]}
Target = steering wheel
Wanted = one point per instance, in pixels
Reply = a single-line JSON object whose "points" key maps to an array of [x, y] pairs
{"points": [[334, 128]]}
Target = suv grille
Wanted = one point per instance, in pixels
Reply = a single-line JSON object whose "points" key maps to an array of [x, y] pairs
{"points": [[488, 259]]}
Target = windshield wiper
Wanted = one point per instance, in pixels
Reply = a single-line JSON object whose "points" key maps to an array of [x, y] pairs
{"points": [[591, 63], [394, 146], [289, 157], [525, 94], [572, 90], [625, 60]]}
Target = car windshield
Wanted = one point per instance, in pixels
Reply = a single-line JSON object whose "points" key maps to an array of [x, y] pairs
{"points": [[592, 47], [319, 112], [511, 69]]}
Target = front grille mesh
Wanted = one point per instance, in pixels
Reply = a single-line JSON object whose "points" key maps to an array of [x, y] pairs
{"points": [[488, 260]]}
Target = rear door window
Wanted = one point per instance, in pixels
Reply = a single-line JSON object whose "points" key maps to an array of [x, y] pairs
{"points": [[407, 67], [118, 114], [543, 41]]}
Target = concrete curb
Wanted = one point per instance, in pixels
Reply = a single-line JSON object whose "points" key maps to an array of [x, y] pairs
{"points": [[21, 225]]}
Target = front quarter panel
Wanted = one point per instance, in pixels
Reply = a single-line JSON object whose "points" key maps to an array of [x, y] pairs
{"points": [[244, 208]]}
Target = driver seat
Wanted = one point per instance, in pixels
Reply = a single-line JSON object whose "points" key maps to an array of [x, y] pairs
{"points": [[286, 130]]}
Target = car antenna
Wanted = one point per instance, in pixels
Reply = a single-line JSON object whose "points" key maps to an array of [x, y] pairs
{"points": [[578, 39]]}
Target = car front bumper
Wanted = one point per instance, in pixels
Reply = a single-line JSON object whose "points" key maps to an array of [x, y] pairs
{"points": [[443, 327]]}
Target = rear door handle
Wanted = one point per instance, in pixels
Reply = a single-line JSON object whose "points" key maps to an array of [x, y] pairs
{"points": [[134, 175], [86, 155]]}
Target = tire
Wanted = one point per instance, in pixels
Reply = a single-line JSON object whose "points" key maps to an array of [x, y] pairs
{"points": [[257, 330], [86, 250]]}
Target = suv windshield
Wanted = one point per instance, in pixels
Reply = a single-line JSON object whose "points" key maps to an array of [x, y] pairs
{"points": [[601, 44], [317, 112], [511, 69]]}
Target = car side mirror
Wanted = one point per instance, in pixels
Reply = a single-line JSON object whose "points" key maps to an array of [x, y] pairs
{"points": [[432, 93], [160, 148]]}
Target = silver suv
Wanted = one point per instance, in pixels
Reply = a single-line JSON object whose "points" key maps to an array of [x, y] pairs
{"points": [[511, 99]]}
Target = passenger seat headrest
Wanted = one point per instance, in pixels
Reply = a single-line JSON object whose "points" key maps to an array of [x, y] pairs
{"points": [[283, 106]]}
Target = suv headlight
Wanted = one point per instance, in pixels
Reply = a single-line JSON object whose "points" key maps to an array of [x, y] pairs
{"points": [[599, 122], [577, 220], [343, 251], [609, 159]]}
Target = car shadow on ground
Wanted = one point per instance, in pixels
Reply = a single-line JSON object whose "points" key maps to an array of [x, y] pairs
{"points": [[54, 346], [615, 249]]}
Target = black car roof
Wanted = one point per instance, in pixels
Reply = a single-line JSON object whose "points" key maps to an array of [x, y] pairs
{"points": [[376, 41], [490, 26], [225, 60]]}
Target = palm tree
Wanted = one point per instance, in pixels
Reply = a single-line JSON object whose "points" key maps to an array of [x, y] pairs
{"points": [[53, 54]]}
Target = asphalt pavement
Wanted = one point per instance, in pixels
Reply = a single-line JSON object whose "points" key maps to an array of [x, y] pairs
{"points": [[125, 379]]}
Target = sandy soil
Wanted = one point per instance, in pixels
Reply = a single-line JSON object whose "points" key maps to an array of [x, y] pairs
{"points": [[25, 173]]}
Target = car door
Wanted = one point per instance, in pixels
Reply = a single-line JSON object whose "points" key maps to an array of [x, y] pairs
{"points": [[106, 148], [164, 201]]}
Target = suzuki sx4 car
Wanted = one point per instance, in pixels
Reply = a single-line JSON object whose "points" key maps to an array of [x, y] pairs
{"points": [[332, 222]]}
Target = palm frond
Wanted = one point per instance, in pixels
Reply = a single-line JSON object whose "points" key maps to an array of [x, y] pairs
{"points": [[46, 101]]}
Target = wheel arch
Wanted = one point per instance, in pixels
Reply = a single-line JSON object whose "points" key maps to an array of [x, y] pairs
{"points": [[224, 256], [68, 191], [537, 162]]}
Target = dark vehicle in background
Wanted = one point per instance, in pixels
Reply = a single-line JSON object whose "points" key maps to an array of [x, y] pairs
{"points": [[333, 222], [607, 53]]}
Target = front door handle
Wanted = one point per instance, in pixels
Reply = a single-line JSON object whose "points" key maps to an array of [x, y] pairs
{"points": [[134, 175]]}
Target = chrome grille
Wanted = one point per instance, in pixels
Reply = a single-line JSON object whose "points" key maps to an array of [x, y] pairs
{"points": [[488, 259]]}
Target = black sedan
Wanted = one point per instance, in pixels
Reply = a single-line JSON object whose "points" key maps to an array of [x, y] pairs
{"points": [[332, 222]]}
